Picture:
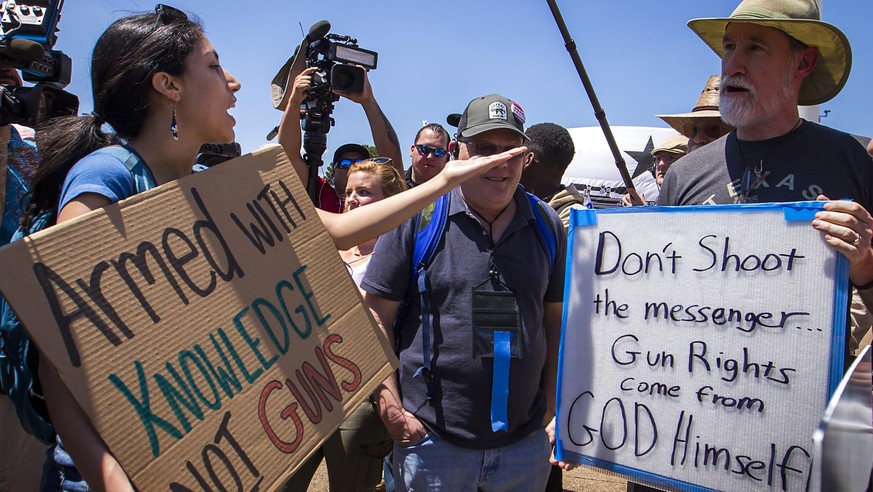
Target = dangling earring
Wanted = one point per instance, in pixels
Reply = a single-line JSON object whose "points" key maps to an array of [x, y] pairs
{"points": [[174, 129]]}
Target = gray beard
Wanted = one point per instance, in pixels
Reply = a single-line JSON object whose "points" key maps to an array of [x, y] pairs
{"points": [[753, 109]]}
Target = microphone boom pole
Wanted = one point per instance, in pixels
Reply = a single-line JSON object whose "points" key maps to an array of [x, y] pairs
{"points": [[599, 113]]}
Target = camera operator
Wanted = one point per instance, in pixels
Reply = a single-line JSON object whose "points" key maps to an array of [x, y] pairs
{"points": [[384, 137], [23, 454]]}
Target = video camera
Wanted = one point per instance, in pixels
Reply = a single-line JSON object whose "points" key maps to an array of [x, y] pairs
{"points": [[336, 57], [28, 35]]}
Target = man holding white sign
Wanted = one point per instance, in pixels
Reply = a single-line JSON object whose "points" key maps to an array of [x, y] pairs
{"points": [[777, 54]]}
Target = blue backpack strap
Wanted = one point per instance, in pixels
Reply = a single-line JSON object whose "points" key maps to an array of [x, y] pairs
{"points": [[544, 229], [430, 227], [17, 354], [142, 175]]}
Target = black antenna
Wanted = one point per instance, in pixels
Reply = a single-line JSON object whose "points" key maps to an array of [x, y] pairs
{"points": [[598, 110]]}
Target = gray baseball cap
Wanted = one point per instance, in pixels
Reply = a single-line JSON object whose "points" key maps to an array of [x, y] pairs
{"points": [[491, 113]]}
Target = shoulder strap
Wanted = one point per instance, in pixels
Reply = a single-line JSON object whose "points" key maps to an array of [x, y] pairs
{"points": [[142, 181], [544, 229], [429, 227], [142, 175]]}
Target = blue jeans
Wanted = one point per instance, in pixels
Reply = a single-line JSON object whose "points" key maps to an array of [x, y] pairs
{"points": [[60, 473], [434, 464]]}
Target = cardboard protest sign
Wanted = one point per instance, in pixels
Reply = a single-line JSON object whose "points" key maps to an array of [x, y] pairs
{"points": [[208, 327], [700, 344]]}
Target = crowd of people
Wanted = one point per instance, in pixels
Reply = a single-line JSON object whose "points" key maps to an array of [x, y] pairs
{"points": [[472, 404]]}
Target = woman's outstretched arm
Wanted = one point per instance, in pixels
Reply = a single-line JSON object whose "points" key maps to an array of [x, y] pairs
{"points": [[365, 223]]}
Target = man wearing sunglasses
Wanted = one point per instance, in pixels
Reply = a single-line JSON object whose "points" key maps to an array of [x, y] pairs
{"points": [[429, 154], [343, 158], [475, 388]]}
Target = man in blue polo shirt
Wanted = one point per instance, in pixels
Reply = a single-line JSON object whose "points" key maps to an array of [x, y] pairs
{"points": [[473, 417]]}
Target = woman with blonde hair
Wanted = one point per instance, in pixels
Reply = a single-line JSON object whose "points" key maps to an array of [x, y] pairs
{"points": [[368, 182]]}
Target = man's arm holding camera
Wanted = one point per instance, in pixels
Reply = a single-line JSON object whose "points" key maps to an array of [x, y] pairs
{"points": [[384, 136], [289, 129]]}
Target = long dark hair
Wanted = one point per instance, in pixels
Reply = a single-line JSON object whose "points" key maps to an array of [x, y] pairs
{"points": [[125, 58]]}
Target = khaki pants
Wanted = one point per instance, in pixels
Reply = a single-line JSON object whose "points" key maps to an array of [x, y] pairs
{"points": [[354, 454]]}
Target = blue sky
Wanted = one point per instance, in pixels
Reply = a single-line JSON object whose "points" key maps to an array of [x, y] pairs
{"points": [[436, 56]]}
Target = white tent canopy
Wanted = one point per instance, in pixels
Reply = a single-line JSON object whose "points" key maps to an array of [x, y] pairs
{"points": [[593, 167]]}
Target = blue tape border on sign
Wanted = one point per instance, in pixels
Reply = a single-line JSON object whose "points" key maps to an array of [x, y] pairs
{"points": [[841, 296], [582, 217], [579, 217], [793, 211]]}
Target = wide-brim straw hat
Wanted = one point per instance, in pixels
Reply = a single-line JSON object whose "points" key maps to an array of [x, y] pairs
{"points": [[800, 19], [706, 108]]}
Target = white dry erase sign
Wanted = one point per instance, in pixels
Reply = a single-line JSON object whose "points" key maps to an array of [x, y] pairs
{"points": [[700, 344]]}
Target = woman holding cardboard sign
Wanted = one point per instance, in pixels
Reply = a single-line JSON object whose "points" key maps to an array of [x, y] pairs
{"points": [[158, 83]]}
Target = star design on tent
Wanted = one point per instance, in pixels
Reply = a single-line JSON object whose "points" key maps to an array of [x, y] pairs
{"points": [[643, 157]]}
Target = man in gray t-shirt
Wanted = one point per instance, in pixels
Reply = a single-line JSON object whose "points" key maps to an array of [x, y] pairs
{"points": [[773, 58]]}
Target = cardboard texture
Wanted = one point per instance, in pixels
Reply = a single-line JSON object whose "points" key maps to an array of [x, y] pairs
{"points": [[700, 345], [208, 326]]}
